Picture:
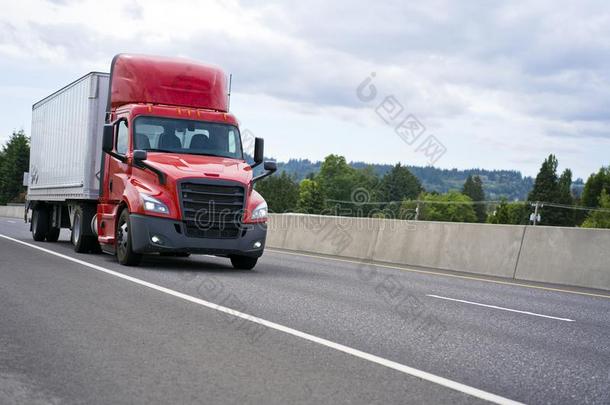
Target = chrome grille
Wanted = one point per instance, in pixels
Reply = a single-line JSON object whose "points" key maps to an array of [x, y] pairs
{"points": [[212, 210]]}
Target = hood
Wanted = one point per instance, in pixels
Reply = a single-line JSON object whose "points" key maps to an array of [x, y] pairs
{"points": [[178, 166]]}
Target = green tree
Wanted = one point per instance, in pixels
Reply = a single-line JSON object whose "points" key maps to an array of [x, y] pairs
{"points": [[365, 193], [399, 184], [367, 178], [339, 180], [510, 213], [451, 207], [545, 186], [473, 188], [348, 191], [599, 219], [550, 188], [336, 178], [565, 216], [281, 192], [593, 187], [311, 197], [14, 161]]}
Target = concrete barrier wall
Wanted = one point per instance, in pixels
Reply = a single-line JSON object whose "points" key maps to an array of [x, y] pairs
{"points": [[570, 256], [339, 236], [13, 211], [476, 248], [573, 256]]}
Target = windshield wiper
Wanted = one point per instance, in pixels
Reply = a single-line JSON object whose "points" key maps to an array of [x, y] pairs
{"points": [[213, 154], [163, 150], [187, 152]]}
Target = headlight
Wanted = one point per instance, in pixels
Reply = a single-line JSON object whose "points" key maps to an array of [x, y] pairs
{"points": [[260, 212], [153, 205]]}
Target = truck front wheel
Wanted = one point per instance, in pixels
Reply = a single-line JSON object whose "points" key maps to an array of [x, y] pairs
{"points": [[40, 223], [243, 262], [124, 251]]}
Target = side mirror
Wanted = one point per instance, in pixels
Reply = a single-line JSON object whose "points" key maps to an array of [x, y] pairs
{"points": [[139, 155], [259, 150], [270, 166], [108, 138]]}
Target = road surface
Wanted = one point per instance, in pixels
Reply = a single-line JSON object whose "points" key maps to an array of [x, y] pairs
{"points": [[299, 328]]}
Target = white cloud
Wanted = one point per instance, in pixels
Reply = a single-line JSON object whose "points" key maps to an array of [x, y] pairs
{"points": [[511, 81]]}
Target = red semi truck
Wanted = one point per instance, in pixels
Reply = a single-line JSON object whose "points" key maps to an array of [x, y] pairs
{"points": [[144, 160]]}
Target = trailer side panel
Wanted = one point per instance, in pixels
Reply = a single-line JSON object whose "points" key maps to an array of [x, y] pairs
{"points": [[66, 139]]}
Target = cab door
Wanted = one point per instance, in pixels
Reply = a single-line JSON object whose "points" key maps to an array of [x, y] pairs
{"points": [[116, 174]]}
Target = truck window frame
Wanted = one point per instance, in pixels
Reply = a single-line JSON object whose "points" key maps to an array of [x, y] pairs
{"points": [[116, 136]]}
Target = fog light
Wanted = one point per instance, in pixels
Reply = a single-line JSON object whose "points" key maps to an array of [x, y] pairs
{"points": [[156, 239], [257, 244]]}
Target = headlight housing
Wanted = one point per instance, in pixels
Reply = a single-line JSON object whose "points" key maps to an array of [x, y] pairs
{"points": [[260, 212], [153, 205]]}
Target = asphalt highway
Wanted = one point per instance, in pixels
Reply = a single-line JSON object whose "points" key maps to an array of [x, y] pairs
{"points": [[298, 328]]}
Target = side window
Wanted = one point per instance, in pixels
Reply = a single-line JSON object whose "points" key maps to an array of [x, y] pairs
{"points": [[122, 138], [232, 136]]}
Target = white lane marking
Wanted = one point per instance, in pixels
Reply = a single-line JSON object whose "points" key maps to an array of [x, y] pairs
{"points": [[475, 392], [10, 222], [501, 308]]}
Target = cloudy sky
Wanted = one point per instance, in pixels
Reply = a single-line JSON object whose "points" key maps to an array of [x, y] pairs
{"points": [[492, 84]]}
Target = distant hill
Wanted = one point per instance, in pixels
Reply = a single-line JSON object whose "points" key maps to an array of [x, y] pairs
{"points": [[497, 183]]}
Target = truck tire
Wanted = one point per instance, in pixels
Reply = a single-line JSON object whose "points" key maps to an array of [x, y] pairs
{"points": [[243, 262], [124, 253], [82, 242], [53, 234], [40, 223]]}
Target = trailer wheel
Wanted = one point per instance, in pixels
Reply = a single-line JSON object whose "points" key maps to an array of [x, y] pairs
{"points": [[82, 242], [124, 253], [243, 262], [53, 234], [40, 223]]}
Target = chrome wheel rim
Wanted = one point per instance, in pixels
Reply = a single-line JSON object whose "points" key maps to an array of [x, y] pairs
{"points": [[122, 238], [76, 229]]}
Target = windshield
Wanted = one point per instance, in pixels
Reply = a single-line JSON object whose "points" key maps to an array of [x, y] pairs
{"points": [[187, 136]]}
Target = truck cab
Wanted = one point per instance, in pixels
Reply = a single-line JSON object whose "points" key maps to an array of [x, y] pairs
{"points": [[173, 179]]}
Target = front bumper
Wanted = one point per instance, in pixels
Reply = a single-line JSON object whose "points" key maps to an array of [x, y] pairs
{"points": [[173, 238]]}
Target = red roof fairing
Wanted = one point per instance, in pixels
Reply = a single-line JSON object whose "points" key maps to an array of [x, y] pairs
{"points": [[169, 81]]}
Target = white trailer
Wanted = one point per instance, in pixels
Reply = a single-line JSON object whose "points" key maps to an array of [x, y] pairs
{"points": [[66, 143], [65, 156]]}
